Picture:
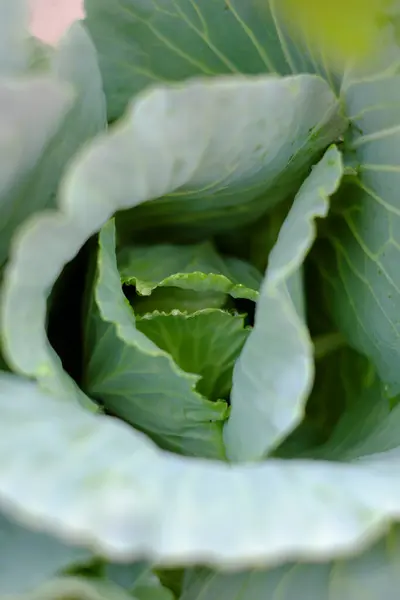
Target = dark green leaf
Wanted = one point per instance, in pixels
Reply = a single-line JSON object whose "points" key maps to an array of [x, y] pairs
{"points": [[206, 343], [160, 42]]}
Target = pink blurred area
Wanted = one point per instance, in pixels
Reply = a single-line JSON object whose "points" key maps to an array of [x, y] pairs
{"points": [[50, 18]]}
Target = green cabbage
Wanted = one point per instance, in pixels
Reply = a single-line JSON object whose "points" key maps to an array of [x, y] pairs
{"points": [[199, 318]]}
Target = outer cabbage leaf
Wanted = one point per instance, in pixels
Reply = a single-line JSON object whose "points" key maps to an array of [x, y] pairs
{"points": [[369, 430], [31, 111], [274, 373], [136, 380], [29, 558], [14, 46], [36, 152], [76, 588], [370, 576], [257, 157], [105, 484], [172, 40], [361, 266]]}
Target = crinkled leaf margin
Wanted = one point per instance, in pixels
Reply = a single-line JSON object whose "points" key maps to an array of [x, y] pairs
{"points": [[138, 381]]}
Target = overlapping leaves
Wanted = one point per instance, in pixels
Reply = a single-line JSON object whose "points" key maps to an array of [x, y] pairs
{"points": [[191, 146], [119, 490], [45, 119], [167, 42], [189, 157], [183, 298], [136, 380], [103, 482]]}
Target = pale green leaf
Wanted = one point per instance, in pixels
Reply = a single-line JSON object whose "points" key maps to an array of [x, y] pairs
{"points": [[274, 373], [36, 157], [31, 111], [136, 380], [28, 558], [281, 133], [14, 43], [103, 483]]}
